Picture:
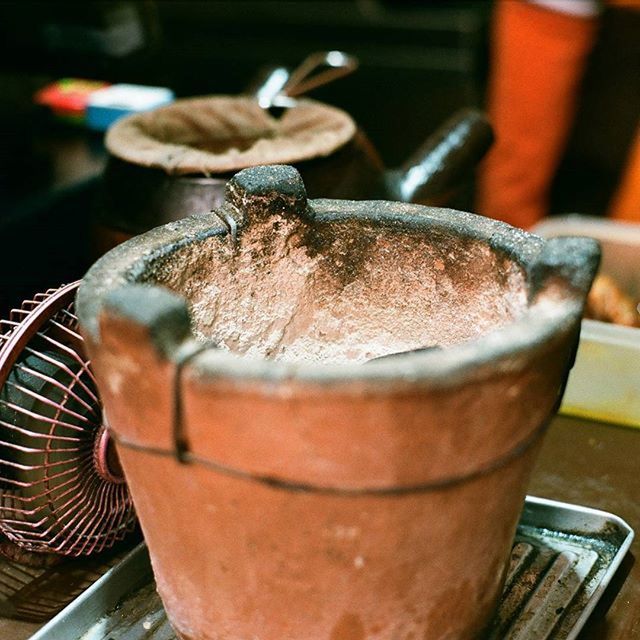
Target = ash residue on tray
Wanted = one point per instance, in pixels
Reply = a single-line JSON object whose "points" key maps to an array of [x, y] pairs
{"points": [[553, 576]]}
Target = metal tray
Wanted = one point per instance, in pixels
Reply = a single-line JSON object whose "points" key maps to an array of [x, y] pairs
{"points": [[31, 596], [563, 558]]}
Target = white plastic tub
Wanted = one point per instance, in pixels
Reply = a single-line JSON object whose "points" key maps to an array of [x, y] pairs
{"points": [[605, 381]]}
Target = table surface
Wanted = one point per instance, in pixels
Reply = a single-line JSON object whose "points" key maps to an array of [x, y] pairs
{"points": [[585, 463], [598, 465]]}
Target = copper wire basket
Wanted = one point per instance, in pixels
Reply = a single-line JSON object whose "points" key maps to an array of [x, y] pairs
{"points": [[62, 490]]}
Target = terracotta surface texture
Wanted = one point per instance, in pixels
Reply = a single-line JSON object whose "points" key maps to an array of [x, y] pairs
{"points": [[290, 486]]}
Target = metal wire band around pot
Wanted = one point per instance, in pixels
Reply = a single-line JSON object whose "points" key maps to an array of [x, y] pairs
{"points": [[186, 457], [182, 455]]}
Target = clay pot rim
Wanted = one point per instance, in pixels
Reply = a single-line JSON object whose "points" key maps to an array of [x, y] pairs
{"points": [[474, 360], [558, 273]]}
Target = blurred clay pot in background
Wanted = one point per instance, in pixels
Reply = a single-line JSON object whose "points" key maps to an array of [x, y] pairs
{"points": [[175, 161], [290, 485]]}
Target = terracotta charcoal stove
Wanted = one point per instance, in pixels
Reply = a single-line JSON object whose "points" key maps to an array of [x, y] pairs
{"points": [[314, 488]]}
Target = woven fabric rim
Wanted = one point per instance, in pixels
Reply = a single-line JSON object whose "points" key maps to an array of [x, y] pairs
{"points": [[219, 134]]}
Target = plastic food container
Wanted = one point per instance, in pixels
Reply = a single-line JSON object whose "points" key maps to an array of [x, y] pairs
{"points": [[605, 381], [108, 105]]}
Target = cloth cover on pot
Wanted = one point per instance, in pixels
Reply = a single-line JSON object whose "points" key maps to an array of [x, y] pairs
{"points": [[219, 134]]}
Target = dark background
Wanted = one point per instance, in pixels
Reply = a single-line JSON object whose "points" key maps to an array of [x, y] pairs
{"points": [[420, 61]]}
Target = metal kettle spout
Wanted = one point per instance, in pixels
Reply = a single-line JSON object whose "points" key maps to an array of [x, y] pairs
{"points": [[446, 158]]}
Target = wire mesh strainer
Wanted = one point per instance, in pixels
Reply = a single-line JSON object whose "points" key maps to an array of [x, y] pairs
{"points": [[61, 486]]}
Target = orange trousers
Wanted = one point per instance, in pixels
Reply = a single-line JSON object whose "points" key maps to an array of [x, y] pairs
{"points": [[539, 57]]}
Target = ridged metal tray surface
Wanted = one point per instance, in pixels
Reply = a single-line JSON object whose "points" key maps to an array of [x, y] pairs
{"points": [[563, 558]]}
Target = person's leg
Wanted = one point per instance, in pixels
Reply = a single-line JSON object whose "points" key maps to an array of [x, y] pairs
{"points": [[538, 59], [625, 204]]}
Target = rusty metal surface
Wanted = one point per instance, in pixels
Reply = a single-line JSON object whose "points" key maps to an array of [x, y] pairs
{"points": [[562, 559]]}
